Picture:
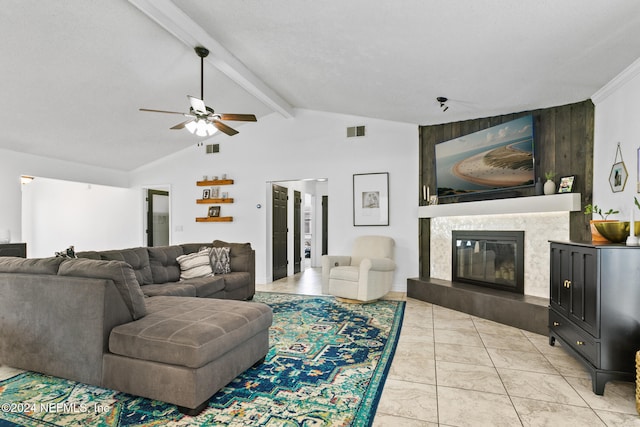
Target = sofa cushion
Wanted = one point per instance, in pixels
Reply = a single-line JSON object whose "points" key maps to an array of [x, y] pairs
{"points": [[163, 263], [240, 254], [190, 331], [220, 260], [206, 286], [177, 289], [346, 272], [138, 258], [30, 265], [195, 264], [120, 272]]}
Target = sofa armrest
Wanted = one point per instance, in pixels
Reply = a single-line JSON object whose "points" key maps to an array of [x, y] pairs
{"points": [[328, 262], [377, 264]]}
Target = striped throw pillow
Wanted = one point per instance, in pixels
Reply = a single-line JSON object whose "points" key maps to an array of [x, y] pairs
{"points": [[195, 264]]}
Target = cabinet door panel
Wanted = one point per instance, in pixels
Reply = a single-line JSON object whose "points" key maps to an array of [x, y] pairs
{"points": [[583, 289], [560, 273]]}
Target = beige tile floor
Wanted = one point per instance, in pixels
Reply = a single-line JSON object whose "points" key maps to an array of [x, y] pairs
{"points": [[454, 369]]}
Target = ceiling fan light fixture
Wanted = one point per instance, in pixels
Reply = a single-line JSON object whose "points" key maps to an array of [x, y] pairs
{"points": [[191, 126], [211, 129], [201, 128]]}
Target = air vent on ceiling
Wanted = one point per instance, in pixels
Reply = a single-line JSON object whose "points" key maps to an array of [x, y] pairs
{"points": [[213, 148], [354, 131]]}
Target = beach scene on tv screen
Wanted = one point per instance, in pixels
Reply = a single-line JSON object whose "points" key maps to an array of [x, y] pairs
{"points": [[495, 158]]}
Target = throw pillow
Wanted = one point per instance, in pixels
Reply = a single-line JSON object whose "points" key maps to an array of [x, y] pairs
{"points": [[220, 260], [195, 264]]}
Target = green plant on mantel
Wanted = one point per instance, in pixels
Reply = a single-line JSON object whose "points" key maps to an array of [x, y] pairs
{"points": [[594, 209], [637, 203], [549, 175]]}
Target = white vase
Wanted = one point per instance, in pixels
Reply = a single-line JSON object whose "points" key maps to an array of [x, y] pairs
{"points": [[549, 187], [5, 236]]}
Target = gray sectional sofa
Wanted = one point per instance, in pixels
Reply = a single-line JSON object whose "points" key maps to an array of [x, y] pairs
{"points": [[123, 323]]}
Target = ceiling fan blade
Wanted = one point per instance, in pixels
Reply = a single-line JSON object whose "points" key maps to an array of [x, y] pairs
{"points": [[181, 125], [239, 117], [160, 111], [224, 128], [197, 104]]}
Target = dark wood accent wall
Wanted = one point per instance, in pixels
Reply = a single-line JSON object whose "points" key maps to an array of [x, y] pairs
{"points": [[563, 143]]}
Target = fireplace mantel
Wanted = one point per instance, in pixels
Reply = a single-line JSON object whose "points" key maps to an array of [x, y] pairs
{"points": [[565, 202]]}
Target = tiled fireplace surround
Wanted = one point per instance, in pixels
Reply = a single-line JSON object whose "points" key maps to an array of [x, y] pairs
{"points": [[542, 218]]}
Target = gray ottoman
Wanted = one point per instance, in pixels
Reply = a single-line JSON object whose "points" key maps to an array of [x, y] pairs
{"points": [[186, 349]]}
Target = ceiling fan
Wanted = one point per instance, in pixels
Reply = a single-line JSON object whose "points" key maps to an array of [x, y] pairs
{"points": [[203, 120]]}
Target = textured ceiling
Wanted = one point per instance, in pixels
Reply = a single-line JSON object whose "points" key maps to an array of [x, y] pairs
{"points": [[75, 72]]}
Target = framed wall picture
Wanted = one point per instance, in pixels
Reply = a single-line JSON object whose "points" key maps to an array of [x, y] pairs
{"points": [[566, 184], [214, 211], [618, 177], [371, 199], [206, 193]]}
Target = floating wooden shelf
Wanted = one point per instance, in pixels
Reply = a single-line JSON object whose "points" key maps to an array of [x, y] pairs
{"points": [[215, 219], [216, 182], [209, 201]]}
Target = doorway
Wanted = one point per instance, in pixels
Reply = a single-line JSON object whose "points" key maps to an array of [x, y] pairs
{"points": [[296, 236], [157, 218]]}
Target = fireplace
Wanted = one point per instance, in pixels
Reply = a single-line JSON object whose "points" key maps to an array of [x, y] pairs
{"points": [[493, 259]]}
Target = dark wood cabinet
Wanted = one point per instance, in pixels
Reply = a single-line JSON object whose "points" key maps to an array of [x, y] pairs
{"points": [[13, 249], [594, 308]]}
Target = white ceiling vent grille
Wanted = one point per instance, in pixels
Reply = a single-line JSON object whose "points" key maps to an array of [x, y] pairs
{"points": [[355, 131], [213, 148]]}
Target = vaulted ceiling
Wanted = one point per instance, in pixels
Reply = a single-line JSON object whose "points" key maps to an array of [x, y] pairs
{"points": [[75, 72]]}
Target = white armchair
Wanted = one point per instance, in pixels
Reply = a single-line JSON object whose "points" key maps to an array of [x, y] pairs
{"points": [[366, 275]]}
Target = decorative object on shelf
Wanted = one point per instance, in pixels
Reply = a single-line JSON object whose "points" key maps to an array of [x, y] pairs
{"points": [[224, 176], [371, 199], [566, 184], [633, 239], [590, 209], [225, 195], [549, 185], [214, 178], [5, 236], [433, 200], [206, 193], [539, 187], [618, 176], [616, 231], [214, 211], [215, 192]]}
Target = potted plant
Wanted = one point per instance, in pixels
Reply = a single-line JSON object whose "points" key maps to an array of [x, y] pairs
{"points": [[594, 209], [549, 185]]}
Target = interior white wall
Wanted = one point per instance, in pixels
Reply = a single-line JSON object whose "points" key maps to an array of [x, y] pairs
{"points": [[617, 108], [57, 214], [311, 145], [14, 164]]}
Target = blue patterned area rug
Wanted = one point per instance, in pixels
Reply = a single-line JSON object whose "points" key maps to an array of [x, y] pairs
{"points": [[326, 367]]}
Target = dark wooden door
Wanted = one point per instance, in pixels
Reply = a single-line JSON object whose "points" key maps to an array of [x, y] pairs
{"points": [[279, 238], [297, 236], [325, 225]]}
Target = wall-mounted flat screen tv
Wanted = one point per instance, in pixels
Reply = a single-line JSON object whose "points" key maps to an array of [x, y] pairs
{"points": [[496, 158]]}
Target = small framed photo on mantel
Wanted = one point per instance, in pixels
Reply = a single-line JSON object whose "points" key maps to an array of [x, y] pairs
{"points": [[566, 184]]}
